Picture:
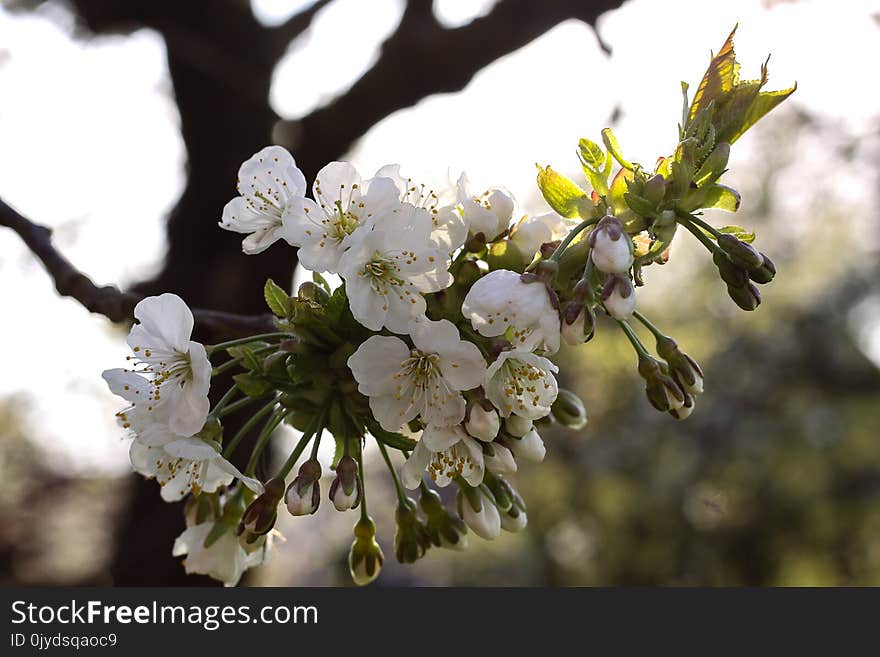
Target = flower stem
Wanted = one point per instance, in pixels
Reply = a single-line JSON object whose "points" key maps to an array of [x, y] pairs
{"points": [[228, 365], [359, 457], [241, 403], [557, 254], [634, 339], [225, 399], [653, 329], [316, 426], [246, 427], [263, 439], [211, 348], [401, 494], [704, 225], [686, 220]]}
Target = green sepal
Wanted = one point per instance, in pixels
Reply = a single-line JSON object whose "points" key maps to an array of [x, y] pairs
{"points": [[251, 384]]}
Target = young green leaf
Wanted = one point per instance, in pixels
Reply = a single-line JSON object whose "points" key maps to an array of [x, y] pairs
{"points": [[277, 299], [562, 194]]}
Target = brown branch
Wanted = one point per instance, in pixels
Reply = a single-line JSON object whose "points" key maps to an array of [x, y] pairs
{"points": [[422, 58], [109, 301]]}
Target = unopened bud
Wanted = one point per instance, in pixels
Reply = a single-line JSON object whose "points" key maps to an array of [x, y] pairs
{"points": [[304, 492], [730, 273], [505, 495], [497, 458], [411, 538], [365, 558], [765, 273], [611, 246], [568, 410], [578, 323], [619, 297], [444, 528], [479, 512], [662, 391], [482, 424], [313, 292], [517, 426], [529, 447], [260, 516], [514, 520], [685, 409], [345, 491], [740, 252], [655, 189], [684, 368], [746, 297]]}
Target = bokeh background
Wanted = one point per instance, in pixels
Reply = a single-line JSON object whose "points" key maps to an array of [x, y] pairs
{"points": [[122, 126]]}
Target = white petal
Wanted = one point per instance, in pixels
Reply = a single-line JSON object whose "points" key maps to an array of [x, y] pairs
{"points": [[414, 468], [334, 184]]}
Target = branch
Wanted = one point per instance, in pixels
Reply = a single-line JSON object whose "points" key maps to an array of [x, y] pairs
{"points": [[109, 301], [422, 58], [283, 34]]}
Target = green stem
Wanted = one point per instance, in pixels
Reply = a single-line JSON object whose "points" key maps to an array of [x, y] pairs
{"points": [[246, 427], [225, 399], [634, 339], [401, 494], [228, 365], [241, 403], [653, 329], [557, 254], [706, 226], [300, 446], [211, 348], [263, 439], [685, 220], [359, 457]]}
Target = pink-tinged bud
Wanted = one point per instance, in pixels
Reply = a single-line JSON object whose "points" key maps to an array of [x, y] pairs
{"points": [[345, 491], [612, 249], [304, 492], [517, 426], [260, 516], [482, 424], [619, 297]]}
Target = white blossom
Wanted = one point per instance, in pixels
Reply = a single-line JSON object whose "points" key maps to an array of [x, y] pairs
{"points": [[186, 465], [530, 447], [426, 380], [485, 523], [612, 249], [387, 268], [446, 453], [488, 213], [483, 424], [449, 230], [619, 298], [322, 228], [268, 183], [224, 559], [521, 383], [174, 373], [530, 233], [500, 303]]}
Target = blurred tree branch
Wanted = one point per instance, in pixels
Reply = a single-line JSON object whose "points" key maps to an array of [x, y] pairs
{"points": [[115, 305]]}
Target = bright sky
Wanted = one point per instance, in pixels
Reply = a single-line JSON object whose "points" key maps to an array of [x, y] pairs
{"points": [[70, 157]]}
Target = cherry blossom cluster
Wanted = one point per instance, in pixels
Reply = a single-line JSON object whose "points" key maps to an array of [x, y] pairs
{"points": [[437, 344]]}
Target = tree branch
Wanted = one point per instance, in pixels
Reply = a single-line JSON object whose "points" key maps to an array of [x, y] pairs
{"points": [[423, 58], [109, 301]]}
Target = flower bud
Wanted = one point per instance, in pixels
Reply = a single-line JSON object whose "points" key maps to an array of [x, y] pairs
{"points": [[765, 273], [411, 538], [619, 297], [479, 512], [568, 410], [611, 246], [662, 391], [517, 426], [482, 424], [514, 520], [746, 297], [504, 494], [655, 189], [741, 253], [313, 292], [345, 491], [578, 323], [304, 492], [201, 508], [260, 516], [365, 558], [685, 409], [497, 458], [730, 273], [684, 368], [445, 529], [529, 447]]}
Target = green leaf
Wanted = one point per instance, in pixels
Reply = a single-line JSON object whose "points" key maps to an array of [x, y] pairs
{"points": [[761, 105], [720, 78], [251, 384], [614, 148], [245, 352], [320, 280], [739, 232], [277, 299], [591, 154], [721, 197], [562, 194], [391, 439]]}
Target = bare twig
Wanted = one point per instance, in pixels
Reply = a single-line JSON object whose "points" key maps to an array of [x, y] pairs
{"points": [[109, 301]]}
